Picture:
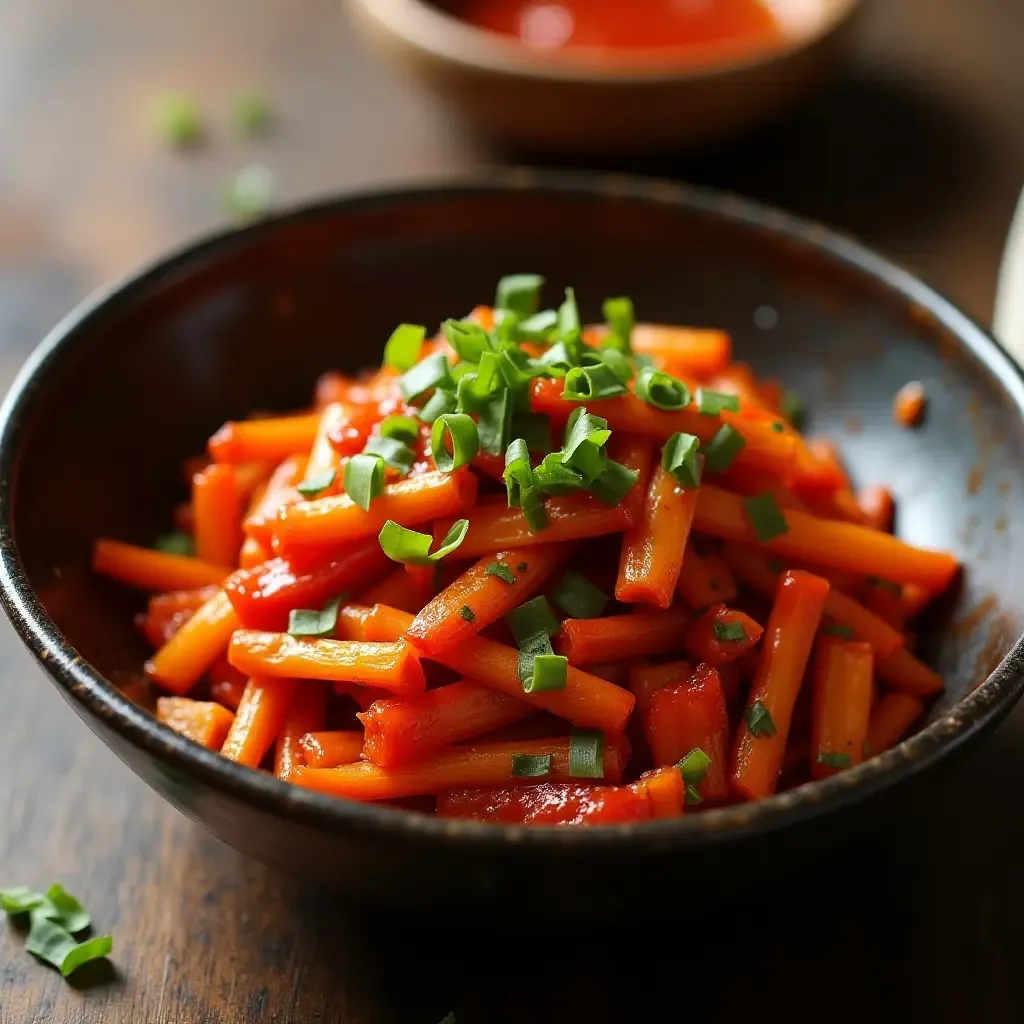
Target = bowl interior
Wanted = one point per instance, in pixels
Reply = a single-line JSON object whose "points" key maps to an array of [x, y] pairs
{"points": [[248, 322]]}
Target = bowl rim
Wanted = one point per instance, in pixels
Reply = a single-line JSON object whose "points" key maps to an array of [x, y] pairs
{"points": [[422, 26], [94, 697]]}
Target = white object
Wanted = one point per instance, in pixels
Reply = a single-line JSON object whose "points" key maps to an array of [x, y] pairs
{"points": [[1008, 322]]}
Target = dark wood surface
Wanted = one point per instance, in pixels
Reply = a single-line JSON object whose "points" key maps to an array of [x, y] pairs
{"points": [[919, 150]]}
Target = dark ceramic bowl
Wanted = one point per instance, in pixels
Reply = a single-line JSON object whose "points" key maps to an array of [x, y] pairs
{"points": [[134, 380]]}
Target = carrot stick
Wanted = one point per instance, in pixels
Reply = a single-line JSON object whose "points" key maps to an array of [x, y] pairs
{"points": [[722, 634], [585, 701], [893, 715], [161, 606], [323, 458], [280, 491], [652, 548], [704, 580], [180, 663], [683, 350], [268, 440], [444, 622], [329, 749], [217, 513], [665, 790], [308, 713], [841, 705], [252, 553], [903, 672], [398, 590], [154, 570], [337, 519], [424, 582], [203, 722], [622, 636], [645, 679], [830, 543], [259, 720], [251, 479], [227, 684], [399, 730], [352, 622], [757, 757], [482, 764], [388, 666]]}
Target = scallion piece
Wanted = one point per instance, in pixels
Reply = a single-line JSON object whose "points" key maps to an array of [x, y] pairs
{"points": [[585, 435], [250, 193], [519, 293], [838, 629], [412, 548], [693, 796], [558, 360], [553, 477], [539, 326], [518, 369], [619, 364], [20, 900], [314, 485], [765, 517], [55, 945], [723, 448], [578, 597], [454, 442], [711, 403], [661, 390], [834, 759], [618, 314], [590, 383], [679, 457], [402, 349], [518, 473], [502, 571], [400, 428], [586, 754], [614, 483], [432, 372], [469, 340], [759, 720], [694, 767], [530, 766], [569, 326], [176, 542], [532, 647], [467, 613], [550, 672], [494, 425], [398, 455], [439, 403], [364, 479], [178, 120], [531, 618], [792, 407], [731, 632], [310, 622]]}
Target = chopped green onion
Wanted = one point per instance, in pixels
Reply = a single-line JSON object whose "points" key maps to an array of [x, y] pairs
{"points": [[765, 517], [834, 759], [619, 315], [759, 720], [711, 403], [584, 383], [619, 364], [309, 622], [558, 360], [530, 766], [252, 114], [177, 118], [481, 384], [364, 479], [467, 613], [495, 424], [694, 767], [586, 754], [63, 908], [396, 454], [693, 796], [723, 448], [177, 542], [585, 435], [641, 361], [778, 427], [679, 457], [553, 477], [440, 402], [501, 570], [531, 618], [538, 645], [55, 945], [314, 485], [461, 431], [578, 597], [731, 632], [792, 407], [250, 193], [550, 672], [412, 548], [519, 293], [539, 326], [400, 428], [432, 372], [518, 369], [535, 429], [662, 390], [838, 629], [518, 473], [20, 899], [468, 339], [614, 483], [569, 326]]}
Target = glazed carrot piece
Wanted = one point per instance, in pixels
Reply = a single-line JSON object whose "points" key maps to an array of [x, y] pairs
{"points": [[307, 713], [203, 722], [683, 350], [722, 634], [267, 440], [154, 570], [645, 679], [337, 519], [387, 666], [833, 544], [665, 789], [841, 705], [329, 749], [400, 730], [217, 513], [159, 629], [639, 454], [424, 582], [641, 634], [352, 622], [251, 479], [227, 684], [903, 672], [704, 580], [323, 457], [180, 663], [757, 755], [892, 716], [652, 548], [586, 700], [550, 803], [162, 606], [280, 491], [253, 553], [444, 622], [399, 590], [909, 404], [260, 718], [689, 715], [750, 481], [482, 764]]}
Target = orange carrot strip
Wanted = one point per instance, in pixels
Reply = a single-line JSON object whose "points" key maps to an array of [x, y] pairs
{"points": [[217, 513], [757, 759], [388, 666], [841, 705], [203, 722], [903, 672], [892, 716], [444, 622], [268, 440], [705, 580], [704, 642], [308, 713], [227, 684], [683, 350], [251, 479], [329, 749], [909, 404], [154, 570], [652, 549], [622, 636], [577, 804], [352, 622], [398, 590], [399, 730], [164, 605], [645, 679], [337, 519], [665, 790], [638, 453], [259, 720], [253, 553], [750, 481], [180, 663], [280, 491], [323, 458], [483, 764], [585, 701], [424, 583], [835, 544]]}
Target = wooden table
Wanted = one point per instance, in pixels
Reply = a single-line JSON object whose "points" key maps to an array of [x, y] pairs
{"points": [[920, 151]]}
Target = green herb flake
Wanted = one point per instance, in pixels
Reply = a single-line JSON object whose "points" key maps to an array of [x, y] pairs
{"points": [[586, 754], [364, 479], [731, 632], [711, 403], [176, 542], [396, 454], [694, 767], [838, 629], [250, 193], [550, 672], [530, 766], [467, 613], [502, 571], [723, 448], [312, 623], [252, 114], [680, 458], [578, 597], [765, 517], [177, 119], [693, 796], [759, 720], [469, 339], [519, 294], [792, 407], [834, 759], [412, 548], [531, 618], [614, 483], [315, 485], [432, 372]]}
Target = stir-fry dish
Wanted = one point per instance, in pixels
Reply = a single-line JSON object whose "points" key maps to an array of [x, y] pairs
{"points": [[532, 571]]}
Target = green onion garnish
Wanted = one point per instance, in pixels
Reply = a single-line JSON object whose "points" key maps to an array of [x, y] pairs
{"points": [[364, 479], [539, 326], [531, 618], [535, 429], [711, 403], [518, 473], [495, 424], [614, 483], [731, 632], [519, 293], [586, 754], [532, 647], [550, 672], [252, 114], [317, 484], [583, 383], [759, 721], [585, 435], [440, 402], [723, 448], [396, 454], [838, 629], [454, 442], [618, 314], [578, 597], [400, 428], [558, 360], [310, 622], [834, 759], [552, 476], [20, 900], [175, 543], [765, 517], [250, 193], [693, 796], [694, 767], [621, 365], [501, 570], [569, 326], [679, 457], [792, 407], [661, 390], [412, 548], [530, 766], [432, 372], [177, 118], [467, 613], [778, 427], [468, 339]]}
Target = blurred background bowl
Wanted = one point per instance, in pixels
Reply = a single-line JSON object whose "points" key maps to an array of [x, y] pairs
{"points": [[589, 100]]}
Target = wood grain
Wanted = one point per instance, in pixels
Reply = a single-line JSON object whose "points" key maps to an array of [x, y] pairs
{"points": [[918, 150]]}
